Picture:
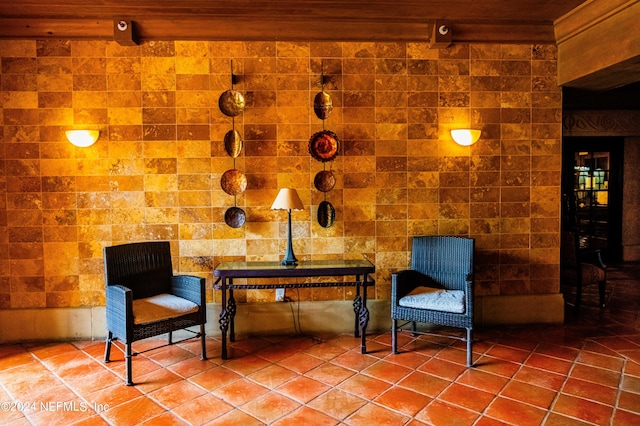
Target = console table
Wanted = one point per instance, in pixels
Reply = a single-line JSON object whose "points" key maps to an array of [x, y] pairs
{"points": [[228, 271]]}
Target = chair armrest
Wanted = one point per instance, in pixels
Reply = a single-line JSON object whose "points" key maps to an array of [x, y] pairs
{"points": [[119, 309], [189, 287], [469, 291]]}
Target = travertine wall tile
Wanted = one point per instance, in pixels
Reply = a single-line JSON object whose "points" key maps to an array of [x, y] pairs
{"points": [[155, 171]]}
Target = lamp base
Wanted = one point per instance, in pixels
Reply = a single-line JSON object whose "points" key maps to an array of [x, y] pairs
{"points": [[289, 258], [289, 262]]}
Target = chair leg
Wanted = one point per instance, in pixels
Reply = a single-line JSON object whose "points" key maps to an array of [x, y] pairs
{"points": [[107, 348], [394, 336], [413, 329], [169, 338], [469, 347], [128, 356], [601, 287], [203, 355]]}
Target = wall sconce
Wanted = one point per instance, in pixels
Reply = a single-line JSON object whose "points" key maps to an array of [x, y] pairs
{"points": [[82, 138], [465, 137], [288, 199]]}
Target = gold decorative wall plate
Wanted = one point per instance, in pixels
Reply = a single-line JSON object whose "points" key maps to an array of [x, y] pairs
{"points": [[322, 105], [324, 181], [231, 103], [233, 182], [233, 143], [324, 145]]}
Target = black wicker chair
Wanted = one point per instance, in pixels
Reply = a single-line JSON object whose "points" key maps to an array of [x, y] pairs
{"points": [[145, 299], [438, 289], [581, 268]]}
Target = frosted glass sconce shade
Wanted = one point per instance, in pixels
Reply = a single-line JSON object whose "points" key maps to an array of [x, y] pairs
{"points": [[465, 137], [82, 138]]}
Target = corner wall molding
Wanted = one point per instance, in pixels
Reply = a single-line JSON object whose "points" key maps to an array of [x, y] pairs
{"points": [[601, 123]]}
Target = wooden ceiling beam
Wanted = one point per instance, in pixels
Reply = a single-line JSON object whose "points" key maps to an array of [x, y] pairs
{"points": [[534, 11], [599, 45], [72, 29], [221, 29]]}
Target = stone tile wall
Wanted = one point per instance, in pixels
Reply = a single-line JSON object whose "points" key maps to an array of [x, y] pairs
{"points": [[155, 171]]}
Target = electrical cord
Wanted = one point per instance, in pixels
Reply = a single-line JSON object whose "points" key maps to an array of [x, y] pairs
{"points": [[296, 321], [296, 317], [293, 316]]}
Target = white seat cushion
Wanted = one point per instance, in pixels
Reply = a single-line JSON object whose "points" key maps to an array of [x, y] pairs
{"points": [[160, 307], [435, 299]]}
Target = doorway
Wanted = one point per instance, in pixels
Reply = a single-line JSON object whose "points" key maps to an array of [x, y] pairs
{"points": [[592, 193]]}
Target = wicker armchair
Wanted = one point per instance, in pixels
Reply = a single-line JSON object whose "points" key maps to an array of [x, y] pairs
{"points": [[438, 289], [580, 268], [145, 299]]}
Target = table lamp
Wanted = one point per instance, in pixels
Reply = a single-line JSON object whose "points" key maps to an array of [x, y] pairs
{"points": [[288, 199]]}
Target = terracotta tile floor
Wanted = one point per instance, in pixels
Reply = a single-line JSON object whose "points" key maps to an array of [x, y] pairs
{"points": [[586, 372]]}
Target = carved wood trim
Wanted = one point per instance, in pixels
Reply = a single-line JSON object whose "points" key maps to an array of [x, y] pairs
{"points": [[601, 123]]}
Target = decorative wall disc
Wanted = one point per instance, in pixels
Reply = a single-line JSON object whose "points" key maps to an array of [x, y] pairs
{"points": [[231, 103], [233, 143], [233, 182], [322, 105], [324, 145], [324, 181], [234, 217], [326, 214]]}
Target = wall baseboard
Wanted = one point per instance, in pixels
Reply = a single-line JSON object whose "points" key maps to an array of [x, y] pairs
{"points": [[520, 309], [273, 318]]}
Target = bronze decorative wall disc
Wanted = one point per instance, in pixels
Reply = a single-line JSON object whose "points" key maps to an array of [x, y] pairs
{"points": [[233, 143], [322, 105], [324, 181], [326, 214], [231, 103], [233, 182], [234, 217], [324, 145]]}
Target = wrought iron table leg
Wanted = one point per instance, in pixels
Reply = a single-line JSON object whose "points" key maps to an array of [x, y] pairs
{"points": [[364, 320], [231, 308], [363, 317], [357, 307], [224, 319], [224, 326]]}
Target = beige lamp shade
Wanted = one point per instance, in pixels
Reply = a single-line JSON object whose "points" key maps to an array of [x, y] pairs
{"points": [[287, 199]]}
